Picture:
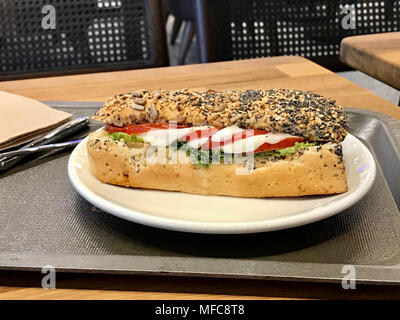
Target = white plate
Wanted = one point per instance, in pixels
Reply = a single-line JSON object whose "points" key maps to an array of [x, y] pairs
{"points": [[219, 214]]}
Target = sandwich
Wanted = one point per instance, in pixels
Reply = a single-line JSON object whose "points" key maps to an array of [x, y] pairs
{"points": [[250, 143]]}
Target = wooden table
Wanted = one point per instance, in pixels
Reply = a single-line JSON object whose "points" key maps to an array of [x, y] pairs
{"points": [[278, 72], [377, 55]]}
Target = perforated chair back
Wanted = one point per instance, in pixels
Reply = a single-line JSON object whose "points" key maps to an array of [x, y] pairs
{"points": [[89, 35], [241, 29]]}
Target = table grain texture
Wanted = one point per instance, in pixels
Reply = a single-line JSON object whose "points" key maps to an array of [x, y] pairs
{"points": [[265, 73], [377, 55]]}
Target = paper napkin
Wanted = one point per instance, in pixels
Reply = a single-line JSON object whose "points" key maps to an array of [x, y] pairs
{"points": [[23, 119]]}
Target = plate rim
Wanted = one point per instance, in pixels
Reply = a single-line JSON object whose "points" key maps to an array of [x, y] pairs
{"points": [[299, 219]]}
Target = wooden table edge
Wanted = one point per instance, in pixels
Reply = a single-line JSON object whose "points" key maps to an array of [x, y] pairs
{"points": [[353, 54]]}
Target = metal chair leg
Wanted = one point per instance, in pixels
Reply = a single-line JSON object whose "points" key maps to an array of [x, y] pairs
{"points": [[188, 33], [175, 29]]}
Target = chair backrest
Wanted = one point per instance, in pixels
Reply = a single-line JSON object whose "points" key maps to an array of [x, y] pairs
{"points": [[78, 36], [182, 9], [241, 29]]}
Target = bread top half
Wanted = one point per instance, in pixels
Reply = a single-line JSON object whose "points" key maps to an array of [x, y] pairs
{"points": [[299, 113]]}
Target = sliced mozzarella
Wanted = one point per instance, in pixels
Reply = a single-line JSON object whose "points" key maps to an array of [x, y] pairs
{"points": [[251, 144], [164, 137], [226, 134], [197, 143]]}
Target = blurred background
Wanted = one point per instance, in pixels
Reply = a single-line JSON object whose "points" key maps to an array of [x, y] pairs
{"points": [[100, 35], [268, 28]]}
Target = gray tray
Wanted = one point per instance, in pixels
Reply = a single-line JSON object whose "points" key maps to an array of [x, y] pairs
{"points": [[44, 221]]}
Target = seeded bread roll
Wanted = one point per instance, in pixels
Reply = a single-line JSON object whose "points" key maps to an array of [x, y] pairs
{"points": [[299, 113], [315, 170]]}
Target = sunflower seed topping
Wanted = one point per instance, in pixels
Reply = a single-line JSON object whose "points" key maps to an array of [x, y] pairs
{"points": [[137, 107]]}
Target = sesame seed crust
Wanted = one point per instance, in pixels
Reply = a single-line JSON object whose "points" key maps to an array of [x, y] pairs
{"points": [[296, 112]]}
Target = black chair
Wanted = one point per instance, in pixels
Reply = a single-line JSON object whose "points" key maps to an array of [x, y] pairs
{"points": [[90, 35], [241, 29], [183, 12]]}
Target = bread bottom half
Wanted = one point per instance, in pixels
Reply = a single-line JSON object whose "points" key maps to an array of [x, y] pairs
{"points": [[316, 170]]}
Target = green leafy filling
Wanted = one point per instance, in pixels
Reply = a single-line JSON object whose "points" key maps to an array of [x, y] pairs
{"points": [[128, 138], [280, 153], [204, 158]]}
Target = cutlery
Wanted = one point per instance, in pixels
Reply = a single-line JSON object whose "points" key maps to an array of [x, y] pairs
{"points": [[45, 147], [7, 159]]}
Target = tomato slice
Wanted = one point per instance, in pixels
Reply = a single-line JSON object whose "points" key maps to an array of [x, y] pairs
{"points": [[141, 128], [288, 142]]}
